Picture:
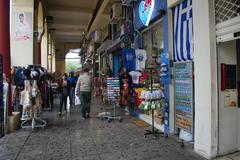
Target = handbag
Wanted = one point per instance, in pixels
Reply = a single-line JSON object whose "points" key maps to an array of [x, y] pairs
{"points": [[77, 100]]}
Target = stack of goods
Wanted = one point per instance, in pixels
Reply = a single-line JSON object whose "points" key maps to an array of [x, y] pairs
{"points": [[113, 89], [152, 100]]}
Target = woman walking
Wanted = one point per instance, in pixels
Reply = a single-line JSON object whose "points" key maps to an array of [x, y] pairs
{"points": [[63, 93]]}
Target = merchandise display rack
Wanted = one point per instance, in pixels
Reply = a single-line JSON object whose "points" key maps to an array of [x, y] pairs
{"points": [[113, 94], [33, 121], [154, 131]]}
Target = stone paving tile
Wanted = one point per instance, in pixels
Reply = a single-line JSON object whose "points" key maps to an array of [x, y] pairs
{"points": [[94, 157], [70, 138], [115, 155], [30, 156], [84, 150]]}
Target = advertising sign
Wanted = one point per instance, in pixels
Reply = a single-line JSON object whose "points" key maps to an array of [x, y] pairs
{"points": [[22, 26], [147, 10], [230, 98], [183, 88], [165, 68]]}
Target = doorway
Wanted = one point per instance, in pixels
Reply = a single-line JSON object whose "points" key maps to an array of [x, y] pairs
{"points": [[229, 113]]}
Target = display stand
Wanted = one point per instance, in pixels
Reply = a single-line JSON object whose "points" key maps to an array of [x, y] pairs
{"points": [[34, 121], [113, 89], [153, 132]]}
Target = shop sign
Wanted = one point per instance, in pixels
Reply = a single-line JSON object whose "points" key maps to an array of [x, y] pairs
{"points": [[183, 89], [165, 68], [146, 10], [230, 98]]}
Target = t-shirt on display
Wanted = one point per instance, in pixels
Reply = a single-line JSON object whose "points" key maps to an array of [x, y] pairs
{"points": [[141, 57]]}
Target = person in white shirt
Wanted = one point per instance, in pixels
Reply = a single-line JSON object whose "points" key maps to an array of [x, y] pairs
{"points": [[84, 90], [22, 30]]}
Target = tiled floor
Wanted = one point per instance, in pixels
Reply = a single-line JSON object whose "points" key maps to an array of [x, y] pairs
{"points": [[70, 138]]}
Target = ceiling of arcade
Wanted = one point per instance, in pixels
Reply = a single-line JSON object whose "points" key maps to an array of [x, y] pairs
{"points": [[70, 19], [73, 17]]}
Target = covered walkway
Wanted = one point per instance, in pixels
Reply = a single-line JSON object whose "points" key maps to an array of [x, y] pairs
{"points": [[70, 138]]}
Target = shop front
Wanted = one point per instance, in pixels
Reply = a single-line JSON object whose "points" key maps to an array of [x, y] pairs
{"points": [[183, 69], [228, 51], [152, 63]]}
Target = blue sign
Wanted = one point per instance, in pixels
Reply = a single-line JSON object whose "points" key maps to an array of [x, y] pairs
{"points": [[165, 68], [147, 10], [183, 88]]}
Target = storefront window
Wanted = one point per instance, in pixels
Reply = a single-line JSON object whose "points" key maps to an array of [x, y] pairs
{"points": [[153, 40]]}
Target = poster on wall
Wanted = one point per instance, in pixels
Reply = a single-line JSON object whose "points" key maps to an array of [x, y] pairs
{"points": [[183, 89], [22, 26], [230, 98]]}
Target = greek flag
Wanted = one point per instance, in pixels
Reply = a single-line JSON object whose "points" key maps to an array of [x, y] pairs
{"points": [[183, 31]]}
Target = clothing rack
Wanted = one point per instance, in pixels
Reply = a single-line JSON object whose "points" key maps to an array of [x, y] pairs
{"points": [[153, 132], [33, 121]]}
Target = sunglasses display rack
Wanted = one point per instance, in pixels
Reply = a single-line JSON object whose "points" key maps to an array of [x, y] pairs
{"points": [[113, 94]]}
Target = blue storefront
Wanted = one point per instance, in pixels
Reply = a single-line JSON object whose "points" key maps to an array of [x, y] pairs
{"points": [[151, 26]]}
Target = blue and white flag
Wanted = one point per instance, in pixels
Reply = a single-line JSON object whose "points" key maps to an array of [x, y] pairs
{"points": [[183, 32]]}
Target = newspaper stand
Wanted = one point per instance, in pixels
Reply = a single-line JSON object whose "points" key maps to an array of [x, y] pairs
{"points": [[113, 94]]}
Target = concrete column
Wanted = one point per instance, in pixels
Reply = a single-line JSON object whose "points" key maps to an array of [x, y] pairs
{"points": [[5, 35], [5, 43], [38, 55], [205, 64]]}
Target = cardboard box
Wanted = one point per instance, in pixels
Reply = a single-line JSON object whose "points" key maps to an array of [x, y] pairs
{"points": [[14, 122]]}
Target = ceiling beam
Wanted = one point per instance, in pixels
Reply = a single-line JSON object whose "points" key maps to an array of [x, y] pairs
{"points": [[66, 25], [72, 21], [66, 8], [69, 29], [78, 34]]}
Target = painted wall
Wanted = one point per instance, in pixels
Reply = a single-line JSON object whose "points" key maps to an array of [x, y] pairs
{"points": [[228, 116], [172, 2], [21, 50], [206, 89], [60, 66]]}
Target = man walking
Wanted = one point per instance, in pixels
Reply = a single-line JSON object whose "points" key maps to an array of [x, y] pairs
{"points": [[83, 89]]}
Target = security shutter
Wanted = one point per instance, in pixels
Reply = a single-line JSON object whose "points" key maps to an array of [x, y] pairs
{"points": [[227, 14]]}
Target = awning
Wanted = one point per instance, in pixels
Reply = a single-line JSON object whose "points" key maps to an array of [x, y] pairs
{"points": [[108, 46], [104, 46], [113, 44]]}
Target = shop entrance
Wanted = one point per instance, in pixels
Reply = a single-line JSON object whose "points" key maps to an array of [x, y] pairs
{"points": [[229, 80]]}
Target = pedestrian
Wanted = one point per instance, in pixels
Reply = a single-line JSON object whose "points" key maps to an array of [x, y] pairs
{"points": [[63, 93], [83, 89], [71, 87]]}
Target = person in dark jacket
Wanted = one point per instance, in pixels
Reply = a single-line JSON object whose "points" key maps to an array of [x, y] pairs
{"points": [[71, 87], [63, 93]]}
